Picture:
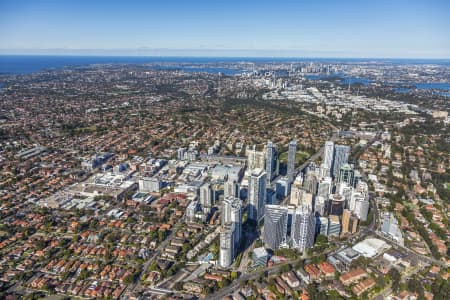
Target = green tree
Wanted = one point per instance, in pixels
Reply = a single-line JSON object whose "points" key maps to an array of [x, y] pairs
{"points": [[381, 282], [395, 276]]}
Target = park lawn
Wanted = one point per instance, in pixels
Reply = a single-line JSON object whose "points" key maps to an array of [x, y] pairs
{"points": [[299, 157]]}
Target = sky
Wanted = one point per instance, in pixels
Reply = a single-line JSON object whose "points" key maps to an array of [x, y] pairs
{"points": [[319, 28]]}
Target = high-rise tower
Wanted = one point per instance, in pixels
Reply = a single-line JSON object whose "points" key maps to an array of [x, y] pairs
{"points": [[256, 194], [291, 160], [275, 225]]}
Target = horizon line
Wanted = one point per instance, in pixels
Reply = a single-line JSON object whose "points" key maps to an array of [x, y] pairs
{"points": [[223, 56]]}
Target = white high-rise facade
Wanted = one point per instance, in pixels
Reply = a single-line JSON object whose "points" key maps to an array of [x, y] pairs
{"points": [[324, 187], [303, 228], [328, 156], [256, 194], [256, 159], [227, 248], [232, 213], [206, 199], [230, 189], [359, 202], [296, 193]]}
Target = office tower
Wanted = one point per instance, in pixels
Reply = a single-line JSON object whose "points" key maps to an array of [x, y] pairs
{"points": [[226, 251], [256, 159], [346, 174], [206, 198], [231, 189], [345, 191], [323, 171], [324, 187], [334, 225], [271, 196], [320, 205], [306, 199], [282, 187], [275, 225], [362, 208], [232, 213], [328, 156], [359, 202], [303, 228], [292, 151], [301, 197], [256, 194], [310, 183], [336, 204], [346, 221], [216, 191], [296, 191], [299, 179], [313, 169], [341, 154], [353, 224], [271, 161], [323, 223]]}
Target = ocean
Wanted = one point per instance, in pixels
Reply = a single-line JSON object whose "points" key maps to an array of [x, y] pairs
{"points": [[24, 64]]}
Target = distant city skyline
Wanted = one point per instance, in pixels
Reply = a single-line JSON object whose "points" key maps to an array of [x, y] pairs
{"points": [[359, 29]]}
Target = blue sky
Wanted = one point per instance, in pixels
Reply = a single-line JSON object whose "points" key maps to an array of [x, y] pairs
{"points": [[340, 28]]}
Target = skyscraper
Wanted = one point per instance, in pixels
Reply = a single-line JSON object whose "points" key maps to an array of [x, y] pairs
{"points": [[352, 224], [226, 251], [282, 187], [341, 154], [303, 228], [230, 189], [256, 159], [346, 174], [320, 205], [328, 156], [359, 202], [345, 191], [291, 160], [324, 187], [296, 191], [206, 197], [256, 194], [300, 197], [334, 225], [275, 225], [310, 183], [271, 161], [336, 204], [323, 226], [232, 213], [362, 208], [346, 221]]}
